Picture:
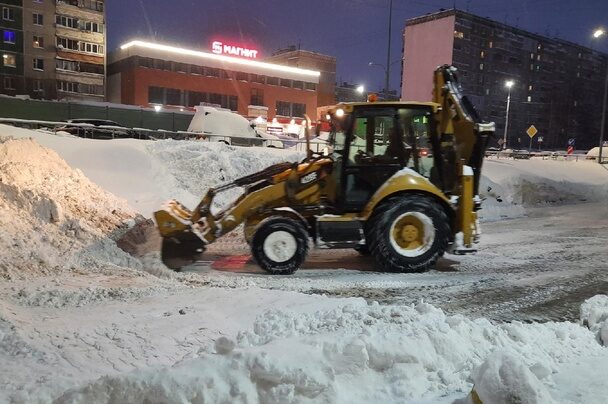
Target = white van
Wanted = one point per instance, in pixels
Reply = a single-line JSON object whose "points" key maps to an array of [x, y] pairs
{"points": [[221, 125]]}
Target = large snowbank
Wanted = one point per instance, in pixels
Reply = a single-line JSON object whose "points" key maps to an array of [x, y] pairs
{"points": [[52, 216], [364, 353], [510, 187], [169, 169], [148, 173]]}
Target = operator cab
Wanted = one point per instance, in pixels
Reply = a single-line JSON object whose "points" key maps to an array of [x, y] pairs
{"points": [[373, 141]]}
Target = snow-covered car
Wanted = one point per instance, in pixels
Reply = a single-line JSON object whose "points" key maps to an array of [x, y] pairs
{"points": [[221, 125], [97, 129]]}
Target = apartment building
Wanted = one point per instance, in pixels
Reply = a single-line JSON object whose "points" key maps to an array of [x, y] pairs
{"points": [[558, 85], [63, 49]]}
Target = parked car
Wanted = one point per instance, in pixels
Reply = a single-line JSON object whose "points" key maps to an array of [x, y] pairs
{"points": [[97, 129], [220, 125]]}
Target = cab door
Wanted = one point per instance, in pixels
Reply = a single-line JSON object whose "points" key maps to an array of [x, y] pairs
{"points": [[375, 152]]}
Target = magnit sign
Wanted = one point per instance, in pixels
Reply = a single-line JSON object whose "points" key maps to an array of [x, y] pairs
{"points": [[222, 48]]}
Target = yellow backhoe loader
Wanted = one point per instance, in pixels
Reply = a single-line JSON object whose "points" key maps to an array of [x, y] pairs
{"points": [[399, 182]]}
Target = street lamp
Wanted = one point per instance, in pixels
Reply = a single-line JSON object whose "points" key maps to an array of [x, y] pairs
{"points": [[597, 34], [508, 85], [360, 89]]}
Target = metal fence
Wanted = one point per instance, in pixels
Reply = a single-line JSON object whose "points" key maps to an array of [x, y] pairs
{"points": [[118, 132], [544, 155], [129, 116]]}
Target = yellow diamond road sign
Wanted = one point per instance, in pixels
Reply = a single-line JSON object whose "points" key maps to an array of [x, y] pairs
{"points": [[532, 131]]}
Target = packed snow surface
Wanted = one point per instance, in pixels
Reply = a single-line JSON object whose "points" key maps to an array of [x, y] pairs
{"points": [[81, 322], [364, 353]]}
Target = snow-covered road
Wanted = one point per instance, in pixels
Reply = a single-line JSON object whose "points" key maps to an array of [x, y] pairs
{"points": [[541, 267]]}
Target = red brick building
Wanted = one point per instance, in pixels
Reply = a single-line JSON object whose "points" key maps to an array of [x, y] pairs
{"points": [[149, 74]]}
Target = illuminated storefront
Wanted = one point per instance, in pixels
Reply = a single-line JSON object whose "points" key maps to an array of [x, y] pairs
{"points": [[152, 74]]}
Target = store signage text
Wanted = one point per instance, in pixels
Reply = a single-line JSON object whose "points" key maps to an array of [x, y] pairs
{"points": [[226, 49]]}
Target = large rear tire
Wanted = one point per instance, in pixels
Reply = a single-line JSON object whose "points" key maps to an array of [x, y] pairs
{"points": [[280, 245], [408, 233]]}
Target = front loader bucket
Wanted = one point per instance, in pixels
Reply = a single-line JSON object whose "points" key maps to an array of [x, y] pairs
{"points": [[181, 250]]}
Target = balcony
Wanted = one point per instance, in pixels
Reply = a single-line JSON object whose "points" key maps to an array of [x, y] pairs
{"points": [[81, 8]]}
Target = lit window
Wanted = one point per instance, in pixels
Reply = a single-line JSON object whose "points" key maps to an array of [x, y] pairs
{"points": [[490, 44], [529, 98], [481, 66], [531, 56], [9, 37], [9, 60], [482, 54], [537, 57], [575, 103], [458, 34], [38, 41], [487, 91], [530, 87]]}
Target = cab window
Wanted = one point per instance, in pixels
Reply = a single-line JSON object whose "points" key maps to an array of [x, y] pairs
{"points": [[415, 125]]}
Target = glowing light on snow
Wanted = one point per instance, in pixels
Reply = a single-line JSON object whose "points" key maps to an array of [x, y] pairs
{"points": [[221, 58], [339, 112], [157, 108]]}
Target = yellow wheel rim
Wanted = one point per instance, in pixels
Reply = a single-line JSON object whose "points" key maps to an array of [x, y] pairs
{"points": [[412, 234]]}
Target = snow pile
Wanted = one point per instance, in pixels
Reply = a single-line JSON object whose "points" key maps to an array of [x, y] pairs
{"points": [[594, 314], [503, 378], [52, 216], [362, 353], [198, 166], [510, 187]]}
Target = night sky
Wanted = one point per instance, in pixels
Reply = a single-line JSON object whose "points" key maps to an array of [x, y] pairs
{"points": [[354, 31]]}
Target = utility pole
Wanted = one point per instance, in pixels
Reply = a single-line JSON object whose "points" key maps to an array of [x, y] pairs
{"points": [[388, 52]]}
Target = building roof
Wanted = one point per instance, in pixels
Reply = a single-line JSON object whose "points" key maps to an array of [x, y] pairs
{"points": [[459, 13], [290, 51], [190, 56]]}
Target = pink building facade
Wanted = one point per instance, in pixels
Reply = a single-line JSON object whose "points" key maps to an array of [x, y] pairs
{"points": [[426, 46]]}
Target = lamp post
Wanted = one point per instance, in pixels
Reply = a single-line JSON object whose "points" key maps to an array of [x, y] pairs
{"points": [[597, 34], [385, 74], [388, 51], [508, 85]]}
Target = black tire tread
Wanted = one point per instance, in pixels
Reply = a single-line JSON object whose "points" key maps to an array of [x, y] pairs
{"points": [[297, 228], [381, 220]]}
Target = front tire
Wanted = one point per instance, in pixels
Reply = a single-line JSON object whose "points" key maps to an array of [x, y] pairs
{"points": [[408, 233], [280, 245]]}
